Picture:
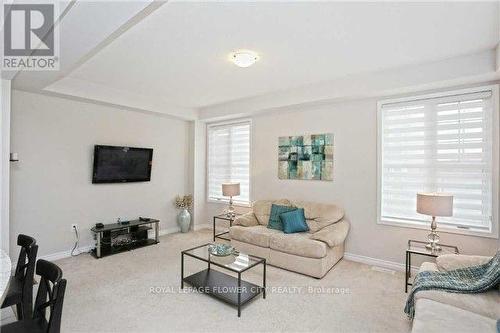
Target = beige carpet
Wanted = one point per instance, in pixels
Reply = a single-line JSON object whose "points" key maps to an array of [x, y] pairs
{"points": [[113, 295]]}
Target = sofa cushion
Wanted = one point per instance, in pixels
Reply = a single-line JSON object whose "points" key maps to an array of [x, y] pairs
{"points": [[274, 217], [247, 220], [294, 221], [298, 244], [333, 235], [485, 304], [448, 262], [262, 209], [257, 235], [428, 266], [435, 317], [319, 215]]}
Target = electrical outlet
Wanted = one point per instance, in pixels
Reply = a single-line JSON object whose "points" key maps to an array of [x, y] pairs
{"points": [[74, 226]]}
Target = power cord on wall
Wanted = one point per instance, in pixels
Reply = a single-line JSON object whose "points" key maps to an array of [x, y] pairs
{"points": [[76, 251]]}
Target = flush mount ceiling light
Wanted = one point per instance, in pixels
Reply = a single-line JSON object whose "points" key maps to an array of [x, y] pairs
{"points": [[244, 58]]}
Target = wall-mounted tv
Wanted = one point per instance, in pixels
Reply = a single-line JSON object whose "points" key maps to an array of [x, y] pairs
{"points": [[121, 164]]}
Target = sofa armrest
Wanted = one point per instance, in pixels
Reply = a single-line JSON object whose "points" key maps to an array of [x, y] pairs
{"points": [[246, 220], [334, 234], [428, 267], [448, 262]]}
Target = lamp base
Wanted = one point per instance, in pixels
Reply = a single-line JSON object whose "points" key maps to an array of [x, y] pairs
{"points": [[229, 211], [433, 247], [231, 215], [433, 238]]}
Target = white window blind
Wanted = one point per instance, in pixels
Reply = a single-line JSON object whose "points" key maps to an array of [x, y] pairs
{"points": [[229, 160], [438, 144]]}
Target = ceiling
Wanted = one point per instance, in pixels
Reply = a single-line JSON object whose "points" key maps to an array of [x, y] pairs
{"points": [[178, 54]]}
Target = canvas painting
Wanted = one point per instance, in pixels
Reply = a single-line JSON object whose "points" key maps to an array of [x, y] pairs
{"points": [[306, 157]]}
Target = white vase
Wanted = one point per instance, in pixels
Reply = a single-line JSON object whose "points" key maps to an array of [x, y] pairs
{"points": [[184, 220]]}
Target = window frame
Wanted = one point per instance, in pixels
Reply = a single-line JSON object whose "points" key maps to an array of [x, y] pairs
{"points": [[250, 183], [493, 231]]}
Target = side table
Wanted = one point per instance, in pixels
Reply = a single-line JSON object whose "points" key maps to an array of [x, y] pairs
{"points": [[223, 217], [418, 248]]}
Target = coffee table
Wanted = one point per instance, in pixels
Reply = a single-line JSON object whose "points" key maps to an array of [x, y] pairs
{"points": [[222, 286]]}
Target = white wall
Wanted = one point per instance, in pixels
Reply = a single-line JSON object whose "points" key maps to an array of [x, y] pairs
{"points": [[354, 125], [5, 96], [51, 184], [200, 218]]}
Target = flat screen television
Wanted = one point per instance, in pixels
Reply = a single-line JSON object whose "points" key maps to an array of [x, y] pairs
{"points": [[121, 164]]}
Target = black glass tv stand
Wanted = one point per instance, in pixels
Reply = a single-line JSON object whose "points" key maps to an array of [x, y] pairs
{"points": [[124, 236]]}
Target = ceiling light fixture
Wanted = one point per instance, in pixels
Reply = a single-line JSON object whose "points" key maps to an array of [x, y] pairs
{"points": [[244, 58]]}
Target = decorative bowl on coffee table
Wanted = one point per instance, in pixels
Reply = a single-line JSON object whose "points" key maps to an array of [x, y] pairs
{"points": [[220, 250]]}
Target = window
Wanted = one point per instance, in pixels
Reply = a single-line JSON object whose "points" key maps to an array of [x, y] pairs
{"points": [[439, 143], [229, 160]]}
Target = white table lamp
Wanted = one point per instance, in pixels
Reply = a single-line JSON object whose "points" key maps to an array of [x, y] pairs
{"points": [[230, 190], [434, 204]]}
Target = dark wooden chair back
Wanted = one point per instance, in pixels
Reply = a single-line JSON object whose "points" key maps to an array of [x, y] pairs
{"points": [[25, 270], [50, 294], [23, 262]]}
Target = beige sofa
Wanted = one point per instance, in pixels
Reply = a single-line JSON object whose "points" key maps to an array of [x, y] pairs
{"points": [[439, 311], [311, 253]]}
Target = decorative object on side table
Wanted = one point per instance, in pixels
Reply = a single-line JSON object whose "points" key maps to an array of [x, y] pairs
{"points": [[184, 217], [230, 190], [306, 157], [434, 204]]}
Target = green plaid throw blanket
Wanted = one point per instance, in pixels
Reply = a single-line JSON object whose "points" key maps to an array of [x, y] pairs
{"points": [[469, 280]]}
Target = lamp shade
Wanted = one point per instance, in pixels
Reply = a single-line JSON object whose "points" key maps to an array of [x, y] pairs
{"points": [[230, 189], [435, 204]]}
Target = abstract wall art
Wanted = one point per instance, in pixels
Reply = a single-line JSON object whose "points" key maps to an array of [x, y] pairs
{"points": [[306, 157]]}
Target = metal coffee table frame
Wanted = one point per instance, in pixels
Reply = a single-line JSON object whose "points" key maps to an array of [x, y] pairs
{"points": [[210, 280]]}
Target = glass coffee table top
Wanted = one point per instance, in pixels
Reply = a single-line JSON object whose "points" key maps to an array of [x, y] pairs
{"points": [[237, 262]]}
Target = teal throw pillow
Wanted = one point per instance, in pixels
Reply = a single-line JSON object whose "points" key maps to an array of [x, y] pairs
{"points": [[294, 221], [274, 217]]}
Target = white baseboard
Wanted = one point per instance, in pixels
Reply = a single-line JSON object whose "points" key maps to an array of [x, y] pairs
{"points": [[167, 231], [87, 248], [378, 262], [197, 227], [65, 254]]}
